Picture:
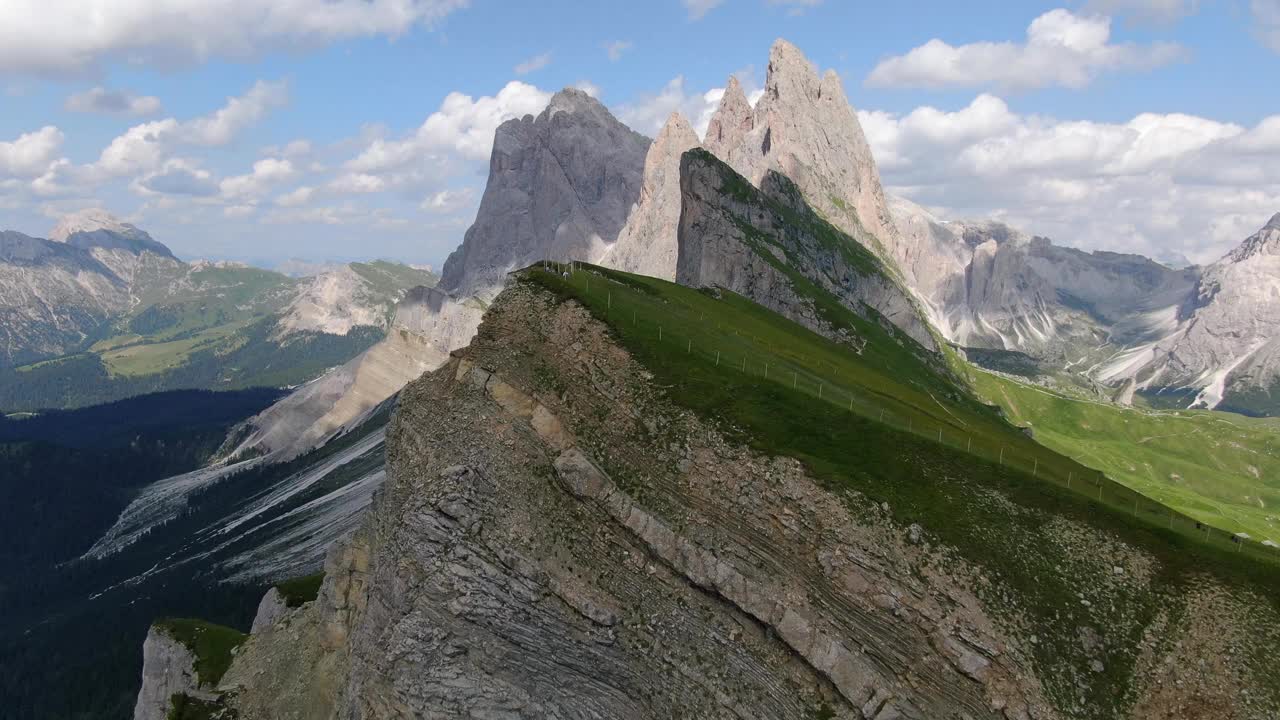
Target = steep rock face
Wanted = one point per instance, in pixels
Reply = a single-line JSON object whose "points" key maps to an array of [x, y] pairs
{"points": [[429, 324], [988, 285], [168, 669], [558, 539], [647, 244], [804, 128], [764, 244], [732, 120], [1226, 342], [561, 185]]}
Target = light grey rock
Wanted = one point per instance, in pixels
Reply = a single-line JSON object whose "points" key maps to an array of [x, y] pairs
{"points": [[168, 668], [804, 128], [747, 240], [561, 186], [647, 244], [732, 120], [271, 608]]}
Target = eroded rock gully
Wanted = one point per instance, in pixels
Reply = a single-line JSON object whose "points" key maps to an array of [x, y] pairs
{"points": [[556, 539]]}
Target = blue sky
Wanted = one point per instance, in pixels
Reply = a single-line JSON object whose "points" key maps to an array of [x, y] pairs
{"points": [[335, 129]]}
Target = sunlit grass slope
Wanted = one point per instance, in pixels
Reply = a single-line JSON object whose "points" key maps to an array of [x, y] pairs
{"points": [[1219, 468]]}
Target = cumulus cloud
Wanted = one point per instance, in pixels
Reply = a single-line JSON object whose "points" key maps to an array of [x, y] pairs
{"points": [[533, 64], [1062, 49], [1155, 184], [698, 9], [297, 197], [460, 132], [145, 146], [616, 48], [649, 112], [251, 187], [56, 36], [30, 154], [113, 102], [448, 201], [1266, 19], [179, 177], [357, 183]]}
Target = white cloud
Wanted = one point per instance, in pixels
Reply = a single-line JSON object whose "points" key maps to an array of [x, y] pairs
{"points": [[616, 48], [697, 9], [238, 114], [588, 87], [357, 183], [1157, 183], [649, 112], [1062, 49], [460, 132], [1266, 18], [145, 146], [297, 197], [448, 201], [76, 36], [267, 173], [31, 153], [533, 64], [178, 177], [113, 102], [1145, 12]]}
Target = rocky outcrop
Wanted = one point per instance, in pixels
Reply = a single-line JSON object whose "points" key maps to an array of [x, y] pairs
{"points": [[731, 122], [561, 186], [352, 295], [647, 244], [168, 669], [558, 539], [769, 246], [804, 128]]}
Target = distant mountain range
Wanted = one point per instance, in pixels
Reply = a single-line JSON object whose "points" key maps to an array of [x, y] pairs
{"points": [[100, 310]]}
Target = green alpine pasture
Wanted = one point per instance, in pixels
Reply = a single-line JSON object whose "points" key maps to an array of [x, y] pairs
{"points": [[1221, 469]]}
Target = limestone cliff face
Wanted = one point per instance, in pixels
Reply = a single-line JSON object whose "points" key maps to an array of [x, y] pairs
{"points": [[804, 128], [561, 186], [557, 539], [647, 244], [168, 669], [762, 243]]}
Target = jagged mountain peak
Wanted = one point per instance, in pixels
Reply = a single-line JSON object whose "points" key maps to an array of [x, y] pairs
{"points": [[561, 185], [731, 121], [1266, 240]]}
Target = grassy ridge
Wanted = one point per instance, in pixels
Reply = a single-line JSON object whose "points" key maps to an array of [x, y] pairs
{"points": [[869, 423]]}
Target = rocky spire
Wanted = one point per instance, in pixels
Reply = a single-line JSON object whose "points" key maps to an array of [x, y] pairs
{"points": [[804, 128], [561, 185], [647, 245], [731, 121]]}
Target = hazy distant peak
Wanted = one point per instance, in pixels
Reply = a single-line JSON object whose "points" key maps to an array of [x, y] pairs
{"points": [[90, 220]]}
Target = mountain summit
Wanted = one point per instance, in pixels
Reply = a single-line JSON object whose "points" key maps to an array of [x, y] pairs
{"points": [[560, 185], [804, 128]]}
